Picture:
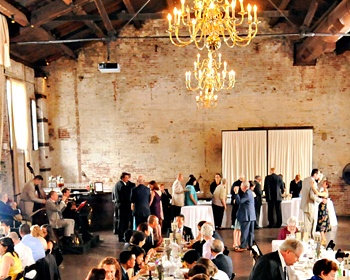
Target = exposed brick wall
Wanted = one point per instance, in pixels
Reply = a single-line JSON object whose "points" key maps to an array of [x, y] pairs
{"points": [[143, 120]]}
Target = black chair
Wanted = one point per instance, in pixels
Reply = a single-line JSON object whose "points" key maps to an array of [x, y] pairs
{"points": [[256, 252]]}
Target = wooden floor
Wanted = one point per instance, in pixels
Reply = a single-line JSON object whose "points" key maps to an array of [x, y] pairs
{"points": [[77, 266]]}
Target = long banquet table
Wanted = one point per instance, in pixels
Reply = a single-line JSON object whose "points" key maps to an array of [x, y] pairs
{"points": [[197, 213]]}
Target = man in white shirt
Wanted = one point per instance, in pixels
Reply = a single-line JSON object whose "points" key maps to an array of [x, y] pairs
{"points": [[178, 195], [24, 252]]}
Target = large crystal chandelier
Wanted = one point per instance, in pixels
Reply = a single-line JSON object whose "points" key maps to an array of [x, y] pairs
{"points": [[213, 20], [209, 79]]}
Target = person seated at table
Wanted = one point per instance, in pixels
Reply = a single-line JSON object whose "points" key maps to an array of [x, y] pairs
{"points": [[324, 269], [200, 276], [96, 274], [147, 230], [112, 268], [8, 211], [156, 234], [274, 265], [127, 262], [221, 261], [6, 225], [291, 228], [140, 259], [191, 195], [197, 269], [36, 232], [207, 233], [186, 232], [10, 263], [190, 258], [138, 238], [213, 271]]}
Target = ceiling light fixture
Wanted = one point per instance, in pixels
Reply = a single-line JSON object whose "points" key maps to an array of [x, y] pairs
{"points": [[209, 79], [214, 20]]}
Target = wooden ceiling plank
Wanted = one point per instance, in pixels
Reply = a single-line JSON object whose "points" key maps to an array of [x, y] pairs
{"points": [[43, 35], [310, 13], [53, 10], [91, 25], [131, 10], [281, 7], [106, 21], [9, 10], [146, 16]]}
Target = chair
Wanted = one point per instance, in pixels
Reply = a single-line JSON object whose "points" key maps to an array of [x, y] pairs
{"points": [[256, 252]]}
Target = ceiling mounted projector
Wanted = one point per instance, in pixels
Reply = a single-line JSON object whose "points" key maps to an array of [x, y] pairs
{"points": [[109, 67]]}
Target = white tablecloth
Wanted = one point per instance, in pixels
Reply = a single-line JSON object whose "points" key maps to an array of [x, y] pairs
{"points": [[292, 208], [195, 214]]}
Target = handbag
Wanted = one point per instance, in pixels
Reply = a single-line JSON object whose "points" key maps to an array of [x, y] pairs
{"points": [[57, 253]]}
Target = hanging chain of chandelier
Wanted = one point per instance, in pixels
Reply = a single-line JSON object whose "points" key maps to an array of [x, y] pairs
{"points": [[214, 21]]}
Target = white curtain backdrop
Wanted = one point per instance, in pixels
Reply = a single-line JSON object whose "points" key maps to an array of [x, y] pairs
{"points": [[290, 152], [243, 152], [254, 152], [4, 43]]}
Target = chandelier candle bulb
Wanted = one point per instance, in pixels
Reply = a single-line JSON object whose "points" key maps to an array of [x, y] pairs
{"points": [[219, 58], [169, 20], [242, 7], [250, 18], [183, 6], [255, 8]]}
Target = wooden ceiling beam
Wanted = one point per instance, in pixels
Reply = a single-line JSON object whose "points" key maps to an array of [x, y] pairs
{"points": [[43, 35], [106, 21], [53, 10], [131, 10], [310, 14], [10, 11], [281, 7], [146, 16], [91, 25]]}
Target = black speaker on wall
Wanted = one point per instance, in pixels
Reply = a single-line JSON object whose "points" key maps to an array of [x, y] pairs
{"points": [[346, 173]]}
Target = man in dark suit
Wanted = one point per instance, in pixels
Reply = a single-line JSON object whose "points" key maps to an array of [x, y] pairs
{"points": [[127, 260], [186, 232], [245, 215], [221, 261], [7, 212], [274, 189], [273, 266], [140, 198], [166, 197], [257, 199], [122, 206]]}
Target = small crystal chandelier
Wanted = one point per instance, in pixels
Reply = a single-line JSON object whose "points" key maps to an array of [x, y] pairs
{"points": [[214, 20], [209, 79]]}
